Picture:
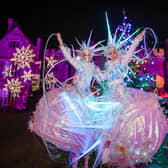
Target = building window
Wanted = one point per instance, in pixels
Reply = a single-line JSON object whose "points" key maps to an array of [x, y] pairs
{"points": [[13, 44]]}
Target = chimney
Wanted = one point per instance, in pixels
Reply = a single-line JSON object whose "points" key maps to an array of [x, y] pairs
{"points": [[38, 46], [11, 23]]}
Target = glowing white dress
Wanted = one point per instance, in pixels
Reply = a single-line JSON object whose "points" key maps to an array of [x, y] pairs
{"points": [[73, 119], [61, 120], [141, 127]]}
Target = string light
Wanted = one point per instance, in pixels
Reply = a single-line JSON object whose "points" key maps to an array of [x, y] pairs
{"points": [[121, 29]]}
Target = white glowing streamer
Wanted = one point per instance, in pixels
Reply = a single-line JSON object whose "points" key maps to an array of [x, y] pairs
{"points": [[88, 150], [67, 99]]}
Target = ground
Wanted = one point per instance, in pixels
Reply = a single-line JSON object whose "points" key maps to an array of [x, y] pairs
{"points": [[19, 148]]}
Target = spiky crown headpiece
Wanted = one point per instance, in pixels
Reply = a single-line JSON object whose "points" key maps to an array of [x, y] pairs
{"points": [[86, 47], [115, 41]]}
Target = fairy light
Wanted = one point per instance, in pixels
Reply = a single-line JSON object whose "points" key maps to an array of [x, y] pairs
{"points": [[122, 27]]}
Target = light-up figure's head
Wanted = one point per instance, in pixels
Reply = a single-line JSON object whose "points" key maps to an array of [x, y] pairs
{"points": [[112, 53], [87, 51], [86, 55]]}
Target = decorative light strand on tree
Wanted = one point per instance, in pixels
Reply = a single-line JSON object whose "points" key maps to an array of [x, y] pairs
{"points": [[126, 34]]}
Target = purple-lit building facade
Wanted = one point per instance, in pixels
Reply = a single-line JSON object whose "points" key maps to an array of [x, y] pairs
{"points": [[21, 67]]}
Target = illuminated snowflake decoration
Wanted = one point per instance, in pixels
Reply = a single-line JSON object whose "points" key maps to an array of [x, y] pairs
{"points": [[23, 57], [8, 71], [51, 79], [14, 85], [51, 61], [27, 75]]}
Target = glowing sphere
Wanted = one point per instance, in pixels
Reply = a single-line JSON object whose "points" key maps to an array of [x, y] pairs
{"points": [[159, 81]]}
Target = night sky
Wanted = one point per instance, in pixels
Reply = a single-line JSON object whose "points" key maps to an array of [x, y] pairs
{"points": [[77, 18]]}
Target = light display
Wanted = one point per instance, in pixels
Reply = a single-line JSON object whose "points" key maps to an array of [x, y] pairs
{"points": [[125, 34], [15, 86], [23, 57], [160, 53], [159, 81], [51, 61], [27, 75], [19, 77], [35, 82], [51, 80], [8, 71]]}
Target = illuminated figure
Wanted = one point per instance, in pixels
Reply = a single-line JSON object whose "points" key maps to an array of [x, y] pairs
{"points": [[123, 125], [71, 117], [85, 71], [142, 126]]}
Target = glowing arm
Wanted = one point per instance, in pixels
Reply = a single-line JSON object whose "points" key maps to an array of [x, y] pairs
{"points": [[67, 54], [133, 47]]}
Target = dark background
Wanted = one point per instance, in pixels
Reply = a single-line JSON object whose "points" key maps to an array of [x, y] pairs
{"points": [[19, 147], [76, 18]]}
